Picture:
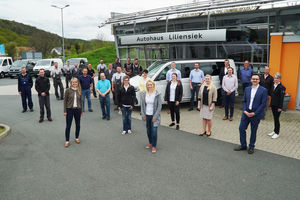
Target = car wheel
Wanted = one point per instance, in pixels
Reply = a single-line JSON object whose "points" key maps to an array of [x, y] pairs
{"points": [[2, 75]]}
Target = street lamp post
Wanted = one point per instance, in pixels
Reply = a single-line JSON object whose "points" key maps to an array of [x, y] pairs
{"points": [[62, 27]]}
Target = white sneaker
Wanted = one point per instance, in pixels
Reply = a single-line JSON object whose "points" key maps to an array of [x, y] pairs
{"points": [[129, 131], [123, 132], [275, 136], [271, 134]]}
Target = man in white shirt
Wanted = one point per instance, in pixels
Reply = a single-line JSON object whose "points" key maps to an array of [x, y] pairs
{"points": [[171, 71], [254, 102]]}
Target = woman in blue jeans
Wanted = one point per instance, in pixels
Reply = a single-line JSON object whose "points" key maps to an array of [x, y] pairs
{"points": [[150, 111], [126, 99]]}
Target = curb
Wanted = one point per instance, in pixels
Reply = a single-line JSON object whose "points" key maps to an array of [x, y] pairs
{"points": [[6, 132]]}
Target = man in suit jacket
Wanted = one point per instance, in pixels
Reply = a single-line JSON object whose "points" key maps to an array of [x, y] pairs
{"points": [[254, 102], [277, 96]]}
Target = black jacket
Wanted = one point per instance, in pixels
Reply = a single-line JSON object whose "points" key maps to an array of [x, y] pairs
{"points": [[222, 74], [76, 73], [137, 70], [178, 92], [42, 84], [277, 96], [267, 83], [109, 75], [27, 77], [126, 97]]}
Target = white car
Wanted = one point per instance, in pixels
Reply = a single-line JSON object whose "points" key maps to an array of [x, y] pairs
{"points": [[47, 65], [5, 64], [159, 69]]}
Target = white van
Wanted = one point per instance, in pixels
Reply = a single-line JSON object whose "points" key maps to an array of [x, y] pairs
{"points": [[5, 64], [47, 65], [159, 69]]}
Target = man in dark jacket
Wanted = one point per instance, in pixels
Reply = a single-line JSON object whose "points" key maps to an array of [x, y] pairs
{"points": [[42, 86], [136, 68], [91, 72], [223, 72], [24, 88], [266, 80]]}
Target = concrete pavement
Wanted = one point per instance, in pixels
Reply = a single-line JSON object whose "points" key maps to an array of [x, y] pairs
{"points": [[106, 165]]}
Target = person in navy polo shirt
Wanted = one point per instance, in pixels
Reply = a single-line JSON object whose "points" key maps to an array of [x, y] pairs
{"points": [[86, 82], [24, 88], [103, 89]]}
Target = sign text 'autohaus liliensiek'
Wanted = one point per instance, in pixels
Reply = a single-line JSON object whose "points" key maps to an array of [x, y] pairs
{"points": [[171, 37]]}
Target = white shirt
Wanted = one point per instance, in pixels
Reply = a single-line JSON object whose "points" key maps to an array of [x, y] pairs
{"points": [[172, 91], [150, 103], [126, 87], [253, 92], [75, 99], [275, 85]]}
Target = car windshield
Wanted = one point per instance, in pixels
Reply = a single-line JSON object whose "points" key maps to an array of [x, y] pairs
{"points": [[152, 69], [43, 63], [73, 61], [19, 63]]}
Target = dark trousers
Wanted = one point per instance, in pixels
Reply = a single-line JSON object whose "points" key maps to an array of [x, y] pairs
{"points": [[194, 91], [126, 116], [105, 105], [94, 90], [26, 95], [68, 79], [151, 131], [276, 116], [56, 83], [229, 102], [44, 101], [174, 110], [254, 121], [245, 85], [76, 113]]}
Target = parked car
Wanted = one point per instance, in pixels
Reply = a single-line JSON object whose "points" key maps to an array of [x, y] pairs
{"points": [[47, 65], [82, 62], [15, 69], [159, 69], [5, 64]]}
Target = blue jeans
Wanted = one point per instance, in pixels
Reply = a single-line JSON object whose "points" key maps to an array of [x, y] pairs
{"points": [[87, 93], [105, 105], [229, 102], [126, 116], [254, 121], [151, 131], [195, 89]]}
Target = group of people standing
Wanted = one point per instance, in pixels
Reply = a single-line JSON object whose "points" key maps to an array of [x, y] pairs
{"points": [[257, 90]]}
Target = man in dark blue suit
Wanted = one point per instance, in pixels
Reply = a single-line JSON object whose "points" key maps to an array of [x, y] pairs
{"points": [[254, 102]]}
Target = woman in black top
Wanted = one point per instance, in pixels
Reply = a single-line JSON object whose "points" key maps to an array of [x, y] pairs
{"points": [[277, 96], [126, 98], [173, 96]]}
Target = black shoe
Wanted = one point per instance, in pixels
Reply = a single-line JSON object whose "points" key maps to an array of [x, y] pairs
{"points": [[41, 120], [198, 109], [95, 96], [208, 134], [250, 150], [190, 109], [177, 127], [202, 134], [116, 108], [108, 118], [61, 98], [24, 111], [103, 117], [50, 119], [240, 148], [31, 110], [172, 124], [90, 110]]}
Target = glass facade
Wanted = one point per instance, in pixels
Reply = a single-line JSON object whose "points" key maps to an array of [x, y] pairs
{"points": [[247, 36]]}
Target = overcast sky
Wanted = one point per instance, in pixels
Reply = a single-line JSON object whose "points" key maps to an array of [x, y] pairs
{"points": [[80, 19]]}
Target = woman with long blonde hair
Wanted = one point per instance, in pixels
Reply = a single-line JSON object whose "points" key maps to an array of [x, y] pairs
{"points": [[73, 108], [206, 104], [151, 104]]}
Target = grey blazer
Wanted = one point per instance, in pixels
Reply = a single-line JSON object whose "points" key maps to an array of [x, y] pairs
{"points": [[156, 109]]}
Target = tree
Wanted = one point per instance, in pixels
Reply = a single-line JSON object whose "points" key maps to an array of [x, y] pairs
{"points": [[11, 49]]}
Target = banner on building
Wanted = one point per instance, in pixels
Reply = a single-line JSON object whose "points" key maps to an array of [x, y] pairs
{"points": [[172, 37], [2, 50]]}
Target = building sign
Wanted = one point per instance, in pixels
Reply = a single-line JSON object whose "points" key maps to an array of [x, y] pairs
{"points": [[172, 37]]}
